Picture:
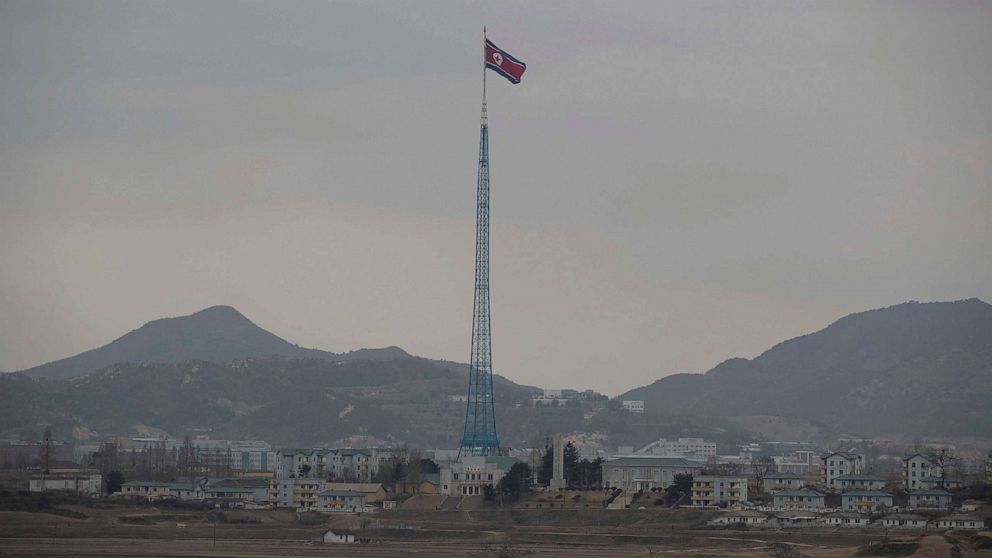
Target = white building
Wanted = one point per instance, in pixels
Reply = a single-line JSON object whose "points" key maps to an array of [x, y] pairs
{"points": [[741, 517], [924, 471], [469, 476], [632, 474], [710, 490], [904, 521], [866, 500], [859, 482], [81, 483], [846, 519], [683, 447], [775, 482], [930, 499], [801, 462], [633, 406], [968, 522], [803, 499], [839, 464]]}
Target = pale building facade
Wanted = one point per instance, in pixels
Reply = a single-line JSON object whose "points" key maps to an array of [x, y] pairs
{"points": [[838, 464], [710, 490], [632, 474]]}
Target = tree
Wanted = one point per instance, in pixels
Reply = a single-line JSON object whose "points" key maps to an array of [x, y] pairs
{"points": [[515, 482], [570, 465], [304, 470], [681, 486], [113, 481]]}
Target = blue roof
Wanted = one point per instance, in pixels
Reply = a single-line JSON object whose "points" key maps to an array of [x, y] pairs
{"points": [[874, 493], [340, 494], [802, 493]]}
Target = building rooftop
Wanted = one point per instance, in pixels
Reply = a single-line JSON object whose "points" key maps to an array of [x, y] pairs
{"points": [[930, 492], [871, 493], [872, 478], [652, 462], [793, 476], [340, 494], [801, 493]]}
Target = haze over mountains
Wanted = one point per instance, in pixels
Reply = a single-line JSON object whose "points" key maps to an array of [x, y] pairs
{"points": [[911, 369]]}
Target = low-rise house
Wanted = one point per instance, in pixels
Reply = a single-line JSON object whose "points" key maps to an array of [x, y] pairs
{"points": [[840, 463], [340, 500], [859, 482], [846, 519], [931, 499], [970, 505], [775, 482], [372, 492], [741, 517], [803, 499], [796, 519], [711, 490], [866, 500], [215, 492], [186, 490], [152, 490], [904, 521], [332, 537], [80, 482], [633, 474], [969, 522]]}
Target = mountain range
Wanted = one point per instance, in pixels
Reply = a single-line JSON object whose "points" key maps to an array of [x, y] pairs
{"points": [[911, 369]]}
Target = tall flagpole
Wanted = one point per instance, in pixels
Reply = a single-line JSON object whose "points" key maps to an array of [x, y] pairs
{"points": [[479, 437]]}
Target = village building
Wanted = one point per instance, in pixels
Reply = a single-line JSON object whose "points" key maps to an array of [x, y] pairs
{"points": [[838, 464], [710, 490], [792, 519], [846, 519], [683, 447], [776, 482], [79, 482], [859, 482], [961, 522], [930, 498], [470, 475], [372, 492], [903, 521], [866, 500], [741, 517], [340, 501], [633, 474], [151, 490], [923, 471], [802, 499]]}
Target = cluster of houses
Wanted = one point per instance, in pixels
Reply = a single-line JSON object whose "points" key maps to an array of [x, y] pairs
{"points": [[755, 518]]}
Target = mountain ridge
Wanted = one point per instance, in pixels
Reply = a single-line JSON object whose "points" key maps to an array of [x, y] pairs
{"points": [[911, 368], [216, 334]]}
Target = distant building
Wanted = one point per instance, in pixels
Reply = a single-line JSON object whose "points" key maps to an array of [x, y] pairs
{"points": [[930, 499], [859, 482], [80, 482], [800, 462], [846, 519], [866, 500], [682, 447], [968, 522], [838, 464], [904, 521], [150, 490], [803, 499], [924, 471], [633, 406], [470, 475], [709, 490], [632, 474], [775, 482], [340, 501], [458, 398], [742, 517]]}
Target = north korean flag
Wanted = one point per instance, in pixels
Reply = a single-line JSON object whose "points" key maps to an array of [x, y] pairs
{"points": [[503, 63]]}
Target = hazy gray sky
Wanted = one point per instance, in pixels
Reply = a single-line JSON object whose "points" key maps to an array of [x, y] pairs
{"points": [[673, 183]]}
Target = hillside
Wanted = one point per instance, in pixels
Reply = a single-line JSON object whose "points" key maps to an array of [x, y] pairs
{"points": [[913, 369], [305, 402], [216, 334]]}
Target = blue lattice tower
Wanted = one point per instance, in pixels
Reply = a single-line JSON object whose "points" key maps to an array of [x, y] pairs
{"points": [[479, 437]]}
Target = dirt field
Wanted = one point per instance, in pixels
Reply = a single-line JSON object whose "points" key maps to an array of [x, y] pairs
{"points": [[148, 531]]}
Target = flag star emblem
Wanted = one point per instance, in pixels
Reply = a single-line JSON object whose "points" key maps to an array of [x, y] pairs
{"points": [[498, 58]]}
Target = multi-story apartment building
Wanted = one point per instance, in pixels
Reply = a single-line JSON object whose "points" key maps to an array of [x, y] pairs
{"points": [[709, 490], [801, 462], [921, 471], [838, 464], [859, 482]]}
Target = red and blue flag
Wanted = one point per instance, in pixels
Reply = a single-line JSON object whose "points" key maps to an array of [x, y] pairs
{"points": [[503, 63]]}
